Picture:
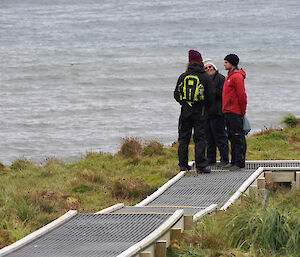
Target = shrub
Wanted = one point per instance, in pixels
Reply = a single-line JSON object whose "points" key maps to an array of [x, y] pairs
{"points": [[3, 169], [129, 188], [131, 147], [92, 176], [47, 200], [154, 147], [290, 121], [21, 164]]}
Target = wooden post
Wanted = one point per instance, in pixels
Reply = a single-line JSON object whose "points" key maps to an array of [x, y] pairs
{"points": [[188, 222], [261, 184], [253, 190], [294, 186], [297, 180], [261, 192], [161, 248], [175, 234], [268, 180]]}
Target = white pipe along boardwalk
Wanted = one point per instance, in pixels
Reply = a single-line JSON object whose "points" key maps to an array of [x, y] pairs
{"points": [[148, 228]]}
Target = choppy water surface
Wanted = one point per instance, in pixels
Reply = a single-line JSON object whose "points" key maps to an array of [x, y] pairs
{"points": [[79, 76]]}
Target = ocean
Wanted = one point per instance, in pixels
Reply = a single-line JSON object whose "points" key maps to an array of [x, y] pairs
{"points": [[80, 76]]}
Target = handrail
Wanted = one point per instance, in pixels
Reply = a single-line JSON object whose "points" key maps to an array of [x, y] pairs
{"points": [[155, 235], [111, 208], [159, 191], [243, 188], [202, 213], [38, 233]]}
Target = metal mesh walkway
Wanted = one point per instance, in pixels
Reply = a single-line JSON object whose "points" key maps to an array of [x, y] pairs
{"points": [[108, 235], [254, 165], [202, 190], [93, 235]]}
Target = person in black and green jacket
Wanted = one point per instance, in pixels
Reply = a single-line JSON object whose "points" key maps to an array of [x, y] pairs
{"points": [[192, 92]]}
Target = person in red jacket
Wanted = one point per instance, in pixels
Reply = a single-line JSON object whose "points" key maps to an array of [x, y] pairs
{"points": [[234, 108]]}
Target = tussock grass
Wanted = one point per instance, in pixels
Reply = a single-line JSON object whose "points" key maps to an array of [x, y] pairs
{"points": [[248, 229], [131, 148], [291, 121], [130, 188], [22, 165], [154, 147]]}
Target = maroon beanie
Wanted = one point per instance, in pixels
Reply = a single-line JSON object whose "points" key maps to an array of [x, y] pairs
{"points": [[233, 59], [195, 56]]}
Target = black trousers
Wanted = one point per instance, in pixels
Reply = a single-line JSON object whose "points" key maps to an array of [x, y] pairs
{"points": [[186, 125], [216, 136], [236, 136]]}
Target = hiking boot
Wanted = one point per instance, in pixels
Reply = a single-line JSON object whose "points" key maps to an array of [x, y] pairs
{"points": [[227, 166], [223, 164], [188, 168], [203, 170]]}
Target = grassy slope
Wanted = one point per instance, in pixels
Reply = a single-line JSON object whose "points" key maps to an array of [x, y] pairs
{"points": [[32, 196], [248, 229]]}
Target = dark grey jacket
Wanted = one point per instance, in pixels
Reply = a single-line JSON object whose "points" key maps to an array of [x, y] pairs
{"points": [[215, 109]]}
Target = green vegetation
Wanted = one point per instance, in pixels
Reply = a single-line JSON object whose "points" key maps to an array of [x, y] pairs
{"points": [[33, 195], [290, 121], [248, 229]]}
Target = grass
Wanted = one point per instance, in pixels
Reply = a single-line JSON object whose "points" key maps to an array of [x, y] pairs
{"points": [[274, 144], [33, 195], [248, 229]]}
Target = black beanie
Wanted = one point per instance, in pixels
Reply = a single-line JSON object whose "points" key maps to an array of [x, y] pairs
{"points": [[233, 59]]}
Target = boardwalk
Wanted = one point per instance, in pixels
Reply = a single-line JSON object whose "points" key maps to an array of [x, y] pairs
{"points": [[118, 231]]}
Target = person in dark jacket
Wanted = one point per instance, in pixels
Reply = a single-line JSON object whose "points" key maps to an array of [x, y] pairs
{"points": [[215, 130], [192, 92], [234, 107]]}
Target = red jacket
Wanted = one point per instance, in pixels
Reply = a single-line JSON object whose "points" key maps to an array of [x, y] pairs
{"points": [[234, 93]]}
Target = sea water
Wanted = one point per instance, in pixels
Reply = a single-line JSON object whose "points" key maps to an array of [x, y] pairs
{"points": [[79, 76]]}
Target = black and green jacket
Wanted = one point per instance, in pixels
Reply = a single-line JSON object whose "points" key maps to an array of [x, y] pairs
{"points": [[198, 100]]}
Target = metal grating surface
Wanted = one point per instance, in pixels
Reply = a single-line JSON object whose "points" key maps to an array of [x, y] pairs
{"points": [[254, 165], [91, 235], [202, 190], [188, 211]]}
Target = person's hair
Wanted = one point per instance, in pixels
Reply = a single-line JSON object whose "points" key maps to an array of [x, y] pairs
{"points": [[193, 62]]}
